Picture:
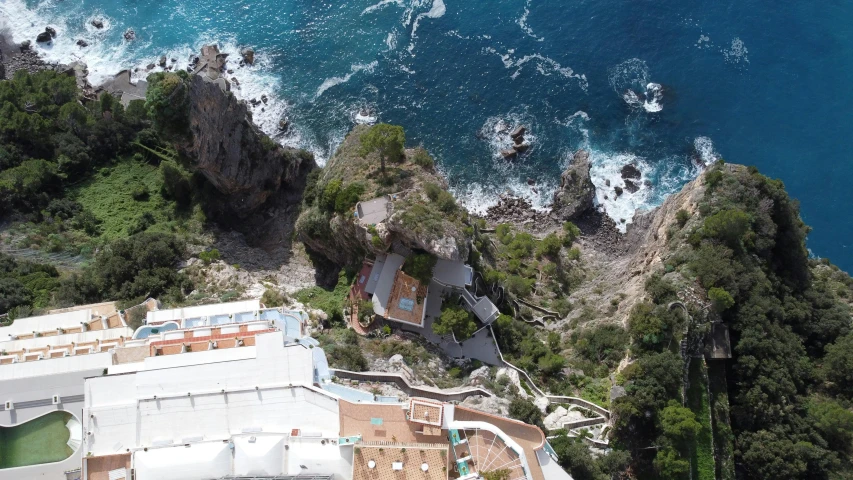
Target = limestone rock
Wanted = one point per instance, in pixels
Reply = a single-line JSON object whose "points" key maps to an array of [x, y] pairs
{"points": [[576, 193], [248, 56], [542, 404], [230, 151], [479, 375], [617, 391], [512, 375]]}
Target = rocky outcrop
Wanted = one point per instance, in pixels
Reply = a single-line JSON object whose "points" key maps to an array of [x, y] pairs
{"points": [[242, 163], [576, 193]]}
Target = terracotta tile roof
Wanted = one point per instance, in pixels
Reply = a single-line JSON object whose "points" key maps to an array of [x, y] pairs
{"points": [[98, 468], [411, 458]]}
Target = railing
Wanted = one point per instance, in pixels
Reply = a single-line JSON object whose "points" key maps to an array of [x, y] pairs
{"points": [[382, 443], [412, 390]]}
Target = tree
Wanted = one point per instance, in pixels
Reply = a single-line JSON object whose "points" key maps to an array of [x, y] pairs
{"points": [[456, 320], [420, 266], [386, 140], [670, 465], [834, 422], [549, 246], [551, 364], [728, 226], [679, 423], [167, 101], [570, 233], [720, 299], [838, 364]]}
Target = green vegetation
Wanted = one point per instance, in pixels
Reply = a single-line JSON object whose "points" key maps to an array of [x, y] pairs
{"points": [[701, 444], [526, 411], [789, 321], [25, 286], [575, 457], [386, 140], [455, 320], [420, 266], [329, 301], [167, 100]]}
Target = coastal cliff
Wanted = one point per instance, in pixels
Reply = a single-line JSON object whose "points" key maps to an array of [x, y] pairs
{"points": [[241, 162], [420, 213]]}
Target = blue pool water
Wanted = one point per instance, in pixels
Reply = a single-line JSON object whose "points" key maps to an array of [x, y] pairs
{"points": [[663, 84]]}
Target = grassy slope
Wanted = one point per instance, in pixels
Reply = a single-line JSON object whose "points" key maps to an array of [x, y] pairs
{"points": [[702, 448]]}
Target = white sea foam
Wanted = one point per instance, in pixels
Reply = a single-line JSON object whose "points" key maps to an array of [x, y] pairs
{"points": [[630, 80], [654, 96], [705, 150], [496, 129], [391, 41], [522, 22], [477, 197], [607, 167], [544, 65], [737, 52], [381, 5], [355, 68], [437, 10]]}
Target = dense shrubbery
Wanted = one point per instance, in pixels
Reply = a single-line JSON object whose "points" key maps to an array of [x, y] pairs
{"points": [[25, 286], [455, 320], [420, 266], [789, 329]]}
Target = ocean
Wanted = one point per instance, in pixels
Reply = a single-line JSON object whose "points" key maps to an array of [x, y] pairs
{"points": [[667, 85]]}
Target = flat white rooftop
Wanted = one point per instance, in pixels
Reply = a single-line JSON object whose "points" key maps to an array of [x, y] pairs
{"points": [[203, 311]]}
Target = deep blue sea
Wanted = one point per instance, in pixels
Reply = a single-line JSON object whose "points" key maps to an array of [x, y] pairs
{"points": [[665, 84]]}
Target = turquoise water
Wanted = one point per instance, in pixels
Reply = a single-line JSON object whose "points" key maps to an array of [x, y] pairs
{"points": [[667, 85]]}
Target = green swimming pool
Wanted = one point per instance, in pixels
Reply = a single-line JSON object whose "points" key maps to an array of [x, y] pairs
{"points": [[40, 440]]}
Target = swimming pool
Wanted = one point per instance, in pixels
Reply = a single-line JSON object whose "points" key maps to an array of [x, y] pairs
{"points": [[147, 330], [44, 439]]}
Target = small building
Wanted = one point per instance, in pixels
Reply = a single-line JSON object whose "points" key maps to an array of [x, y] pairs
{"points": [[373, 211]]}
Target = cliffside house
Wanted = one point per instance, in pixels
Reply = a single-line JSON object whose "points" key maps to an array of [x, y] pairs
{"points": [[398, 297]]}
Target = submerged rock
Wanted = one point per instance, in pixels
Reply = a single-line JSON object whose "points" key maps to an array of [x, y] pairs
{"points": [[97, 23], [509, 153], [576, 193], [129, 35]]}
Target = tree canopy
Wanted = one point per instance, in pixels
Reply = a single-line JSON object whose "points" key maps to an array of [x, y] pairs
{"points": [[386, 140]]}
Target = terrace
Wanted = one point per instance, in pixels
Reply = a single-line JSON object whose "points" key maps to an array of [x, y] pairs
{"points": [[407, 299], [421, 461], [107, 467]]}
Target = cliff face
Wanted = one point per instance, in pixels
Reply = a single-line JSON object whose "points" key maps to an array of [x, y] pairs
{"points": [[242, 163], [576, 193]]}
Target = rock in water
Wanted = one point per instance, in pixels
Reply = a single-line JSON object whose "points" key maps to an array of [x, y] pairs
{"points": [[82, 43], [248, 56], [576, 193], [230, 151], [162, 61], [129, 35], [50, 31], [509, 153], [519, 131], [521, 147], [44, 37], [618, 190], [25, 45], [98, 23], [630, 171], [631, 186]]}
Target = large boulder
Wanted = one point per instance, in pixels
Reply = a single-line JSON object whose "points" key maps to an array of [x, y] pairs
{"points": [[242, 163], [576, 193]]}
